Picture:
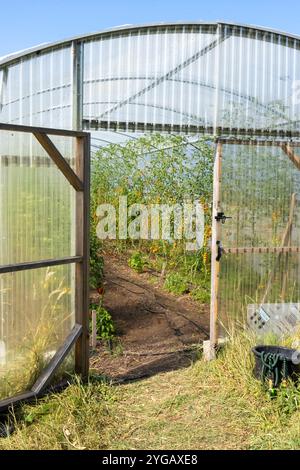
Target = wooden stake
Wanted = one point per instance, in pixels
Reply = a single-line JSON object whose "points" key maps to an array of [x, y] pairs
{"points": [[94, 329]]}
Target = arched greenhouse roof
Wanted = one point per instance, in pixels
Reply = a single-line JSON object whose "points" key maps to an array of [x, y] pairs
{"points": [[174, 77]]}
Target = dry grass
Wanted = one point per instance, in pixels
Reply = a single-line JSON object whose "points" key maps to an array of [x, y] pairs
{"points": [[29, 359], [215, 405], [78, 418], [31, 348]]}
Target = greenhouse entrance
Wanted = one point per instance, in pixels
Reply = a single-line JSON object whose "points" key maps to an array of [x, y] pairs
{"points": [[173, 90], [256, 237], [154, 289]]}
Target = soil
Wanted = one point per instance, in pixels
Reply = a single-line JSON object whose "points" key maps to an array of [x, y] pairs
{"points": [[156, 331]]}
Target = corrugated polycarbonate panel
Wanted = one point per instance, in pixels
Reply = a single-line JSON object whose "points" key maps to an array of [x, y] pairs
{"points": [[225, 76], [36, 315], [259, 183], [260, 190], [248, 281], [190, 76], [37, 90], [37, 214], [37, 203], [164, 76], [258, 85]]}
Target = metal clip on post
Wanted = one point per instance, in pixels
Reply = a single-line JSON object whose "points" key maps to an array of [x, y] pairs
{"points": [[221, 217], [220, 250]]}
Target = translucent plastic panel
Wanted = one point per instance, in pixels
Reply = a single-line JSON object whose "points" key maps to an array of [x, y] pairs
{"points": [[186, 75], [164, 76], [270, 281], [260, 186], [36, 315], [37, 203], [37, 90], [225, 76], [259, 77], [260, 190]]}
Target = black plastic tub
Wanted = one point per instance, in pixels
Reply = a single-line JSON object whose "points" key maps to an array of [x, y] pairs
{"points": [[275, 363]]}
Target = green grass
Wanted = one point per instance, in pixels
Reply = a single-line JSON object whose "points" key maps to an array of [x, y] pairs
{"points": [[216, 405], [136, 262]]}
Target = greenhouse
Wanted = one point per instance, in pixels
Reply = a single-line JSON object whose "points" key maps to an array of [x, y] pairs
{"points": [[237, 86]]}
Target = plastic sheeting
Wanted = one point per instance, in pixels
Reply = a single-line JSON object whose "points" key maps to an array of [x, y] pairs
{"points": [[193, 76], [37, 215], [260, 190]]}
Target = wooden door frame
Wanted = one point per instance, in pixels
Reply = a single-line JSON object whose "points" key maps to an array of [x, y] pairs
{"points": [[210, 347], [215, 265], [79, 179]]}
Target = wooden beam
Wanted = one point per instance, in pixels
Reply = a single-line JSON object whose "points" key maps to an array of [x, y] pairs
{"points": [[41, 130], [46, 376], [82, 249], [59, 160], [12, 268], [215, 265], [9, 402]]}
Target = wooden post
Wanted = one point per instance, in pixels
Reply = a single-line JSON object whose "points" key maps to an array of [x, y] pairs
{"points": [[210, 349], [82, 249], [82, 152], [290, 152], [94, 329], [59, 160]]}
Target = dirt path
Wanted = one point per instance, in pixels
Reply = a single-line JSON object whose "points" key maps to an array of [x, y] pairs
{"points": [[156, 331]]}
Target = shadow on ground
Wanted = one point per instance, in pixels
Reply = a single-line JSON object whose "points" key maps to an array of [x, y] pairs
{"points": [[156, 331]]}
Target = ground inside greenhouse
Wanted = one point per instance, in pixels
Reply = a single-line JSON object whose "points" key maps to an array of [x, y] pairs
{"points": [[155, 330]]}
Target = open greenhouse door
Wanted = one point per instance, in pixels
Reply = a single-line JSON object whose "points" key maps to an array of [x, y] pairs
{"points": [[256, 238]]}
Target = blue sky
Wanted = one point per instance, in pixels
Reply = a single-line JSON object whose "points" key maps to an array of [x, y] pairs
{"points": [[26, 23]]}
